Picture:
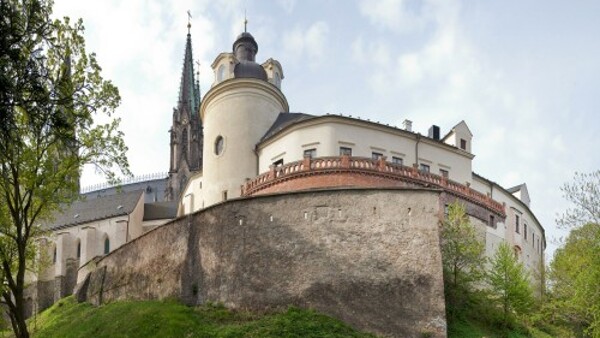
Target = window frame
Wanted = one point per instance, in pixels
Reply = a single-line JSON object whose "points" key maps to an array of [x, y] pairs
{"points": [[345, 151]]}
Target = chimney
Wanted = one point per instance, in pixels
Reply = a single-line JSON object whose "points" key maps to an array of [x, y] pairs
{"points": [[434, 132], [407, 125]]}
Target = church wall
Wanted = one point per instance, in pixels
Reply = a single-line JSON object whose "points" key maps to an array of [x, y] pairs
{"points": [[368, 257], [328, 135]]}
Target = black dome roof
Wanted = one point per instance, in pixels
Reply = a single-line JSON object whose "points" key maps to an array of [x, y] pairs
{"points": [[249, 69]]}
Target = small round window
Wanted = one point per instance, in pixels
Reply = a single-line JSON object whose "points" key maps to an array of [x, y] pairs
{"points": [[219, 145]]}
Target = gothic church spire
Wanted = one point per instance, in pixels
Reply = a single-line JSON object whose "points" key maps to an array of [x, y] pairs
{"points": [[186, 132], [189, 89]]}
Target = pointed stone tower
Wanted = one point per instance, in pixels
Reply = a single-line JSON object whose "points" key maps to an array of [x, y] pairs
{"points": [[186, 132]]}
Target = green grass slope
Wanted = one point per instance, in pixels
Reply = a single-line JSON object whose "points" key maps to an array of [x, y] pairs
{"points": [[67, 318]]}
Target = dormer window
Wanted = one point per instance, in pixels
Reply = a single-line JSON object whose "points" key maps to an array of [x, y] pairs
{"points": [[463, 144]]}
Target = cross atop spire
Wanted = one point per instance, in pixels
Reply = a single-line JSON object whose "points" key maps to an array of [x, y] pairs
{"points": [[189, 25]]}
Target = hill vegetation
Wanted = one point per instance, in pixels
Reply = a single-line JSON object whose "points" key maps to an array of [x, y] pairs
{"points": [[67, 318]]}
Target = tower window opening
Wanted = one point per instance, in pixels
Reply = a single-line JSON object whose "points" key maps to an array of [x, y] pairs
{"points": [[219, 143], [221, 73], [106, 246], [463, 144], [277, 80]]}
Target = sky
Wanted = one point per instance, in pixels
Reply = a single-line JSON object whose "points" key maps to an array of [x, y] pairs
{"points": [[524, 75]]}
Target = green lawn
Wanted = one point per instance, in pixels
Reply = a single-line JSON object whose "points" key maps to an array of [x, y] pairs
{"points": [[67, 318]]}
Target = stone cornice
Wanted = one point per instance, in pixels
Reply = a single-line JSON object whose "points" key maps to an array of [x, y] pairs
{"points": [[240, 84]]}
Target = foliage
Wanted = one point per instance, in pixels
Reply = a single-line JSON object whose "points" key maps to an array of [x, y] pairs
{"points": [[575, 278], [172, 319], [462, 258], [50, 92], [509, 283], [584, 194]]}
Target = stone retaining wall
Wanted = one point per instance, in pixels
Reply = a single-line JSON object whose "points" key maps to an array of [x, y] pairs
{"points": [[369, 257]]}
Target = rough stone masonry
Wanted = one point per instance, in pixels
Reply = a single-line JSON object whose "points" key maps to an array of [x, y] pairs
{"points": [[370, 257]]}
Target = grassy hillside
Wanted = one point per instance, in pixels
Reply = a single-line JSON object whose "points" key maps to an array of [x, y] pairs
{"points": [[67, 318]]}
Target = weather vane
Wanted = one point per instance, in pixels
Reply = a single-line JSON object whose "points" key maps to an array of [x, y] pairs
{"points": [[198, 69]]}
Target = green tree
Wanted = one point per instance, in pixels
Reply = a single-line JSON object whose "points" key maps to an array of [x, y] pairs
{"points": [[50, 92], [509, 283], [574, 273], [462, 257], [584, 195], [575, 279]]}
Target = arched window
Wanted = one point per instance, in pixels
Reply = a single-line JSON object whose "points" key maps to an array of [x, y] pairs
{"points": [[54, 256], [221, 73], [78, 249], [106, 246], [184, 143], [219, 142]]}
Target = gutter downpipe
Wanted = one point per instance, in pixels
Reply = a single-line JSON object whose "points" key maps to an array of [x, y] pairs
{"points": [[417, 151]]}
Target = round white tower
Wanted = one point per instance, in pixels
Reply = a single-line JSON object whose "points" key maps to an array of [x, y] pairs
{"points": [[237, 111]]}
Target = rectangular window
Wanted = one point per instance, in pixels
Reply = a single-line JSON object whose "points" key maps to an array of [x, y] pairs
{"points": [[376, 156], [345, 151], [525, 231], [424, 168], [517, 230], [533, 239], [444, 173], [225, 195], [492, 221], [397, 160], [312, 153], [463, 144], [278, 162]]}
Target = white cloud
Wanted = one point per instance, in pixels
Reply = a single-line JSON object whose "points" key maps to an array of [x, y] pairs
{"points": [[287, 5], [400, 16], [307, 43]]}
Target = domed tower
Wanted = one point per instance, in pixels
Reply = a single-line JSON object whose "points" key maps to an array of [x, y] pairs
{"points": [[241, 106]]}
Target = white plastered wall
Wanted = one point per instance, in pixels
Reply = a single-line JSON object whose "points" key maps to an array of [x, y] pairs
{"points": [[328, 135], [240, 111]]}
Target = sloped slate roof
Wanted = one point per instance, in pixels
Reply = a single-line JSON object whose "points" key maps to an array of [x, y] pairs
{"points": [[283, 120], [515, 188], [88, 210], [160, 210]]}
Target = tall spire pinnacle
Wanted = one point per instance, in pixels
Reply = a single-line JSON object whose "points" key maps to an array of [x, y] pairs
{"points": [[245, 22], [189, 96], [189, 25]]}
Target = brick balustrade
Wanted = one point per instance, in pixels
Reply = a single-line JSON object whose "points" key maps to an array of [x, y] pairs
{"points": [[382, 172]]}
